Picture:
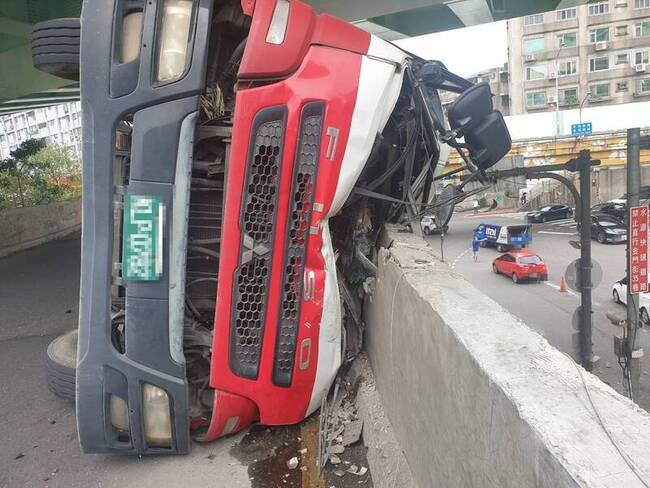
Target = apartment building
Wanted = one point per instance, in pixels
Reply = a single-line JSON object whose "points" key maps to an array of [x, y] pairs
{"points": [[592, 54], [498, 79], [59, 124]]}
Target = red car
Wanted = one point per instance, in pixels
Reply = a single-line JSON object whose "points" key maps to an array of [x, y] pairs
{"points": [[521, 265]]}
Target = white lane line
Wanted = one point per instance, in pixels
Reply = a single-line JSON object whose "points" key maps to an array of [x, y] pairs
{"points": [[457, 258], [569, 291], [556, 233]]}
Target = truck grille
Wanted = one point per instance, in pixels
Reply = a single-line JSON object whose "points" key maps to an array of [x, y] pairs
{"points": [[298, 223], [257, 219]]}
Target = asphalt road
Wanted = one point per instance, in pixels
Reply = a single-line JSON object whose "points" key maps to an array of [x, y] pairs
{"points": [[541, 305], [39, 294]]}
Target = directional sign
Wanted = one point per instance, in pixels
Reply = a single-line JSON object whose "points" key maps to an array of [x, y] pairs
{"points": [[638, 265], [583, 129]]}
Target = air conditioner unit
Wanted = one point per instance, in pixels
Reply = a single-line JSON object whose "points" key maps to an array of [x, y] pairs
{"points": [[601, 46], [551, 99], [529, 57], [639, 68], [552, 75]]}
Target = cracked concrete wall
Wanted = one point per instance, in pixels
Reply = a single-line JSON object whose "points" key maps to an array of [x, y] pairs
{"points": [[22, 228], [477, 399]]}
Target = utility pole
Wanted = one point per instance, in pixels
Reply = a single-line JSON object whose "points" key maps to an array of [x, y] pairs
{"points": [[633, 189], [585, 260]]}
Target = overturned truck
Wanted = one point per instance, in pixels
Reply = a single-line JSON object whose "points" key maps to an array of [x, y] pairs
{"points": [[239, 161]]}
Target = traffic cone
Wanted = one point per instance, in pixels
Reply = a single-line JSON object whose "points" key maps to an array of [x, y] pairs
{"points": [[563, 285]]}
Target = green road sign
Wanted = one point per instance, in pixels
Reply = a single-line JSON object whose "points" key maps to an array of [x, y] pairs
{"points": [[142, 249]]}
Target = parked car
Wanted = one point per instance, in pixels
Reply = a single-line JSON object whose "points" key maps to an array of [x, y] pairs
{"points": [[619, 295], [615, 209], [605, 228], [503, 237], [521, 265], [430, 226], [550, 212]]}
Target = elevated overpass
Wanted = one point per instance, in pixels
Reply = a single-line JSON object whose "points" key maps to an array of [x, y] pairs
{"points": [[25, 87]]}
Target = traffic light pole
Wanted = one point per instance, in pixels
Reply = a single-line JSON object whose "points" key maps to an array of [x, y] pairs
{"points": [[585, 261], [581, 165]]}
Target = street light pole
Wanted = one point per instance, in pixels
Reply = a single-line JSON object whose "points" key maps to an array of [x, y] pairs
{"points": [[586, 356], [633, 190]]}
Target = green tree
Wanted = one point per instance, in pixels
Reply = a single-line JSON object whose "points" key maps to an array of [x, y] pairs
{"points": [[18, 165], [35, 174]]}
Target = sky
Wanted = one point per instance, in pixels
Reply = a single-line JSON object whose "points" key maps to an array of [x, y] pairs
{"points": [[464, 51]]}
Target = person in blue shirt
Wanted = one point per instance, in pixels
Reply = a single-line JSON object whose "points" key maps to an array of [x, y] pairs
{"points": [[476, 245]]}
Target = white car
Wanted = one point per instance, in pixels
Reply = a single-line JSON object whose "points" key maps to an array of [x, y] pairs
{"points": [[619, 294], [429, 225]]}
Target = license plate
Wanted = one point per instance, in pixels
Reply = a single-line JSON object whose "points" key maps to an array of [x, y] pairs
{"points": [[142, 241], [534, 275]]}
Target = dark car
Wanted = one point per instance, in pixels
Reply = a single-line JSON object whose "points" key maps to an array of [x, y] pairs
{"points": [[550, 212], [605, 228], [615, 209]]}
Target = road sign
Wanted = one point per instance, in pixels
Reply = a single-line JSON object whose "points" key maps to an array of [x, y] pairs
{"points": [[582, 129], [638, 265]]}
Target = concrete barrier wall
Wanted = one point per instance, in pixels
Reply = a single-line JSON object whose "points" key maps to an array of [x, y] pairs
{"points": [[477, 399], [22, 228]]}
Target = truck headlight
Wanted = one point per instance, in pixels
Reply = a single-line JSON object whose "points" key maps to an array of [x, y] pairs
{"points": [[173, 39], [119, 413], [157, 416]]}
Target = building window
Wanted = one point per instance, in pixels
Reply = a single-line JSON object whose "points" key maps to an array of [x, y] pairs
{"points": [[600, 8], [567, 14], [567, 39], [536, 99], [643, 86], [641, 57], [642, 29], [535, 19], [599, 64], [599, 35], [599, 91], [567, 68], [569, 96], [641, 3], [621, 30], [622, 59], [535, 72], [533, 45], [621, 86]]}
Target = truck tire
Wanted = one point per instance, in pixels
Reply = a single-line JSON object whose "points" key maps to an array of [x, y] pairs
{"points": [[60, 365], [501, 248], [55, 47]]}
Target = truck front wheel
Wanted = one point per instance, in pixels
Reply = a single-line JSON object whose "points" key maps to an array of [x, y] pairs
{"points": [[60, 365]]}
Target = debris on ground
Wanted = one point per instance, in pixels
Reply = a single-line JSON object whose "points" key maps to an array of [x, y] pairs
{"points": [[292, 463]]}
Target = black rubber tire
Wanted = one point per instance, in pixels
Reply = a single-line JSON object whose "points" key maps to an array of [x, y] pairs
{"points": [[60, 365], [601, 237], [501, 248], [482, 244], [59, 41], [494, 268], [515, 280], [55, 47], [544, 219]]}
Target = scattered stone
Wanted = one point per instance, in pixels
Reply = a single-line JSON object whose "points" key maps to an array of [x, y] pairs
{"points": [[19, 456], [336, 449], [211, 456], [362, 470], [339, 473], [34, 446], [52, 421], [46, 479], [68, 311], [608, 365], [292, 463], [334, 459], [303, 468], [353, 469], [352, 432], [303, 451]]}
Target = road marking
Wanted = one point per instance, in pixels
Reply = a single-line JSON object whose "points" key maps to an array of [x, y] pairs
{"points": [[457, 258], [570, 292], [557, 233]]}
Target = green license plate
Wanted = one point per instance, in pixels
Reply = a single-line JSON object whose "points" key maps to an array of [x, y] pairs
{"points": [[142, 253]]}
